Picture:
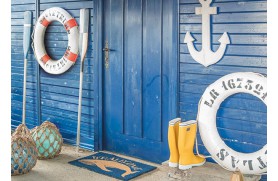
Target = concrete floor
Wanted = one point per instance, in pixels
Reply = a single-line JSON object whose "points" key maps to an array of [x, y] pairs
{"points": [[58, 169]]}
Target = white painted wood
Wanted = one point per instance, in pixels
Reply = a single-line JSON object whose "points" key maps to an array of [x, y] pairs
{"points": [[26, 47], [206, 56], [83, 45]]}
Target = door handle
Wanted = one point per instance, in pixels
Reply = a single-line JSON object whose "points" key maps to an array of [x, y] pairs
{"points": [[106, 54]]}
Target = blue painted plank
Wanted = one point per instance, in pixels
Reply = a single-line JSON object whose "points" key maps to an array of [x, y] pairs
{"points": [[87, 130], [77, 19], [23, 7], [76, 12], [224, 1], [20, 84], [66, 106], [245, 126], [199, 89], [65, 98], [18, 63], [248, 6], [20, 22], [66, 6], [240, 147], [14, 2], [60, 44], [65, 121], [73, 76], [113, 92], [55, 52], [16, 29], [59, 28], [235, 124], [152, 70], [133, 68], [258, 17], [65, 83], [230, 102], [67, 91], [19, 77], [198, 79], [169, 61], [29, 99], [65, 1], [68, 115], [218, 70], [242, 115], [194, 88], [19, 15], [30, 115], [17, 87], [236, 39], [60, 122], [88, 70], [242, 61], [242, 137], [49, 44], [250, 28], [233, 49], [231, 113], [19, 91]]}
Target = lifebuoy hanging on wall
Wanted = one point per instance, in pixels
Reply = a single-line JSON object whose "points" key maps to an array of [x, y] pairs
{"points": [[214, 95], [71, 54]]}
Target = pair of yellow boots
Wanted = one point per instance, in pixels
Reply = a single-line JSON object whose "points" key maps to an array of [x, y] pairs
{"points": [[181, 139]]}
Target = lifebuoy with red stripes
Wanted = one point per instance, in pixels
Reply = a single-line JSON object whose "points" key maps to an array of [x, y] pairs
{"points": [[71, 54]]}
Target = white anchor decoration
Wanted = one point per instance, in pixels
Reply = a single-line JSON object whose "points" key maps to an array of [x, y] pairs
{"points": [[206, 56]]}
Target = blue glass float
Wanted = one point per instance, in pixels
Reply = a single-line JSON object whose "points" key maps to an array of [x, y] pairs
{"points": [[23, 151], [48, 140]]}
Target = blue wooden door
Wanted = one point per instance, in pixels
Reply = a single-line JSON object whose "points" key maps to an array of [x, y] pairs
{"points": [[140, 80]]}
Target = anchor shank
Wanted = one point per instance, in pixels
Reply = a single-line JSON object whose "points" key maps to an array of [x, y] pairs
{"points": [[206, 33], [206, 11]]}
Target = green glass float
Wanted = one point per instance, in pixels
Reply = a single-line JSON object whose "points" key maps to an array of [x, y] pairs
{"points": [[24, 153], [48, 140]]}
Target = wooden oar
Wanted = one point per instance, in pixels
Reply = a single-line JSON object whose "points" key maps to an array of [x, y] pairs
{"points": [[83, 44], [26, 47]]}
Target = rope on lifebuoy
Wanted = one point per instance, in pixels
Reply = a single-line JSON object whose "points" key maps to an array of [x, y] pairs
{"points": [[71, 54], [214, 95]]}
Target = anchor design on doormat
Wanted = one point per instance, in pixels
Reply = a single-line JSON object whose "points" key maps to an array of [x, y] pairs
{"points": [[206, 56]]}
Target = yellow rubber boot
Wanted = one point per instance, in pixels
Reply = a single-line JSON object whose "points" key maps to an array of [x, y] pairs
{"points": [[187, 136], [173, 133]]}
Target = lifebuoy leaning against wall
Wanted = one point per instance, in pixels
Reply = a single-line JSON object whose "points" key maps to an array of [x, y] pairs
{"points": [[71, 54], [214, 95]]}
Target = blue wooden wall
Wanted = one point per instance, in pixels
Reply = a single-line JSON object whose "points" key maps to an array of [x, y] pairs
{"points": [[59, 93], [241, 119]]}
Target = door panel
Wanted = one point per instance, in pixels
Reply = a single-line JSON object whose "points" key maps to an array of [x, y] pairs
{"points": [[133, 68], [152, 69], [136, 84]]}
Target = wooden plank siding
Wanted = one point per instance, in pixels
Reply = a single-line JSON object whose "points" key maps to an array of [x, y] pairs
{"points": [[241, 119], [59, 93]]}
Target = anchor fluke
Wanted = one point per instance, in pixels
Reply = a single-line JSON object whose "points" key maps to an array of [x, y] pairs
{"points": [[224, 39], [188, 37]]}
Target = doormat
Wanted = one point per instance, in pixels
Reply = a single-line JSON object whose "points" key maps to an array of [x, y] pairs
{"points": [[113, 166]]}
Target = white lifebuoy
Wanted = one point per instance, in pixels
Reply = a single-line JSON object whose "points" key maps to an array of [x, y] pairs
{"points": [[214, 95], [71, 54]]}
